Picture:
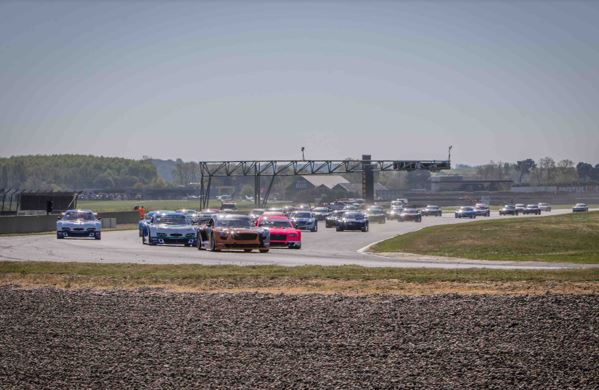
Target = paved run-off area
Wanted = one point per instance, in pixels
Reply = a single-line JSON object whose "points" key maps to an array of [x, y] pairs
{"points": [[85, 339]]}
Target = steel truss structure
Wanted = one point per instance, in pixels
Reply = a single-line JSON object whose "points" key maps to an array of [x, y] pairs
{"points": [[274, 168], [313, 167]]}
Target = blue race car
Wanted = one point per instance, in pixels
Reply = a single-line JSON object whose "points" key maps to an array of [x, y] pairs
{"points": [[170, 228], [143, 224], [465, 212]]}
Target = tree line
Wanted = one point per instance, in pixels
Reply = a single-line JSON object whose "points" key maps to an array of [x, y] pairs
{"points": [[75, 172], [546, 171]]}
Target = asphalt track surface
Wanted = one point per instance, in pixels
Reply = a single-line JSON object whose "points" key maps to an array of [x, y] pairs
{"points": [[325, 247]]}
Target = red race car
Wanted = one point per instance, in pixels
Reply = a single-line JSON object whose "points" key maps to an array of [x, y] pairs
{"points": [[282, 232]]}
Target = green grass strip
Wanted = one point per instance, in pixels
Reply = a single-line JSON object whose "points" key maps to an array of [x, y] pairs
{"points": [[570, 238], [188, 274]]}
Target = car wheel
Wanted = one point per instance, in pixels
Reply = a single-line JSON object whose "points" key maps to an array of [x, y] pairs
{"points": [[59, 236], [339, 229], [264, 250], [297, 246], [98, 236], [247, 250]]}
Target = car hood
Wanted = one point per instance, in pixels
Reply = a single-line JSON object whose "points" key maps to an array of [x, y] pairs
{"points": [[78, 223], [162, 228], [278, 230]]}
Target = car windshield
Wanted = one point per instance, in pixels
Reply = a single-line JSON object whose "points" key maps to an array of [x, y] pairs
{"points": [[187, 212], [353, 215], [508, 206], [280, 223], [238, 222], [302, 215], [172, 220], [467, 208], [432, 207], [73, 215], [321, 209]]}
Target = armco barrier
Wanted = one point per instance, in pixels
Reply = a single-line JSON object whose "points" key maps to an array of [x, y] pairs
{"points": [[47, 223]]}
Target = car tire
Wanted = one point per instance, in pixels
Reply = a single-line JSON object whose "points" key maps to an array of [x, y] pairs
{"points": [[98, 236], [339, 229], [247, 250], [264, 250], [297, 246], [59, 236]]}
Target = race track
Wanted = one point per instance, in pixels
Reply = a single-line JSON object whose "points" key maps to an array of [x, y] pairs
{"points": [[325, 247]]}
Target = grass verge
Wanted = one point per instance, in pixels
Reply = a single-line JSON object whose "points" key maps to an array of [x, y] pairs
{"points": [[307, 279], [570, 238]]}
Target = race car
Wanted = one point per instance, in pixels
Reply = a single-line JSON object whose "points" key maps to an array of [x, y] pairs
{"points": [[170, 228], [532, 208], [353, 220], [580, 208], [282, 232], [143, 223], [191, 214], [79, 223], [321, 213], [432, 210], [482, 210], [332, 219], [304, 220], [394, 212], [508, 209], [231, 231], [376, 214], [465, 212], [410, 214]]}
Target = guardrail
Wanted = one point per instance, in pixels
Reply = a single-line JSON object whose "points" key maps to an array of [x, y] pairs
{"points": [[47, 223]]}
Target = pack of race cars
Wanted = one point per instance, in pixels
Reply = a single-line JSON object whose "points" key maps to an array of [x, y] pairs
{"points": [[218, 229]]}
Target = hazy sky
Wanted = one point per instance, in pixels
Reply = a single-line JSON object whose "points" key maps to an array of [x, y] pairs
{"points": [[257, 80]]}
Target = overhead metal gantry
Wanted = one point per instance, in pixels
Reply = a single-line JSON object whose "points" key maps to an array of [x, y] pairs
{"points": [[274, 168]]}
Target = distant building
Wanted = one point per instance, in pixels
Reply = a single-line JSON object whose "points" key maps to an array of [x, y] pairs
{"points": [[355, 189], [459, 183], [303, 183]]}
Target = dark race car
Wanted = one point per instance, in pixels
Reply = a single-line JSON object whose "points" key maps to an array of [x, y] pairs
{"points": [[482, 210], [532, 209], [376, 214], [410, 214], [333, 218], [353, 220], [508, 209], [431, 210]]}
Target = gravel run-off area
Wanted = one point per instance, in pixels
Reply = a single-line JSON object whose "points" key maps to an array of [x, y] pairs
{"points": [[61, 339]]}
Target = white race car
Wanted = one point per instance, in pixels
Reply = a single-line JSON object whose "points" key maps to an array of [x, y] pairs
{"points": [[79, 223], [170, 228]]}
